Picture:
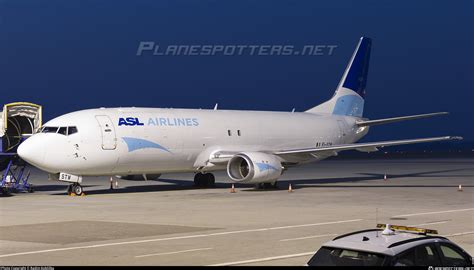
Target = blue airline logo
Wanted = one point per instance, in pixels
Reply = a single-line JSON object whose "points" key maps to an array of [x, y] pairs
{"points": [[159, 121], [130, 121]]}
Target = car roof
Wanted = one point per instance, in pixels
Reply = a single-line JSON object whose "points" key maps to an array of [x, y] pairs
{"points": [[374, 241]]}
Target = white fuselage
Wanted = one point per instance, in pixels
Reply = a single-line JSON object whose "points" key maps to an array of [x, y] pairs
{"points": [[121, 141]]}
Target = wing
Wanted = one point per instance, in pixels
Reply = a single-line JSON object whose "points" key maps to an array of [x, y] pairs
{"points": [[364, 147], [222, 157]]}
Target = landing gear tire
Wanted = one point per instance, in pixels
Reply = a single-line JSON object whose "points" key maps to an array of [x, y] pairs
{"points": [[77, 189], [197, 179], [266, 185], [204, 180], [210, 179]]}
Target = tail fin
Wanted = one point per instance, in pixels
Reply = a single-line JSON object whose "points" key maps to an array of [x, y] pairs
{"points": [[349, 96]]}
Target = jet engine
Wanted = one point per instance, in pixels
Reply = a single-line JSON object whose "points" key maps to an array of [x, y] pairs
{"points": [[254, 167]]}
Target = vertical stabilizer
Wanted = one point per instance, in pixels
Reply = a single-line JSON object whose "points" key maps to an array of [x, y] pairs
{"points": [[349, 96]]}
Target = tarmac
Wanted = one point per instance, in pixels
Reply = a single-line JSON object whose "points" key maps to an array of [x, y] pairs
{"points": [[170, 222]]}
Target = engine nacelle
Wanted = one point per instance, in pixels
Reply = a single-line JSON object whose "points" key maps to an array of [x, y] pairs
{"points": [[254, 167]]}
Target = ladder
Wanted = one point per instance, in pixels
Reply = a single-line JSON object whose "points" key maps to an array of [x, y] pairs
{"points": [[14, 179]]}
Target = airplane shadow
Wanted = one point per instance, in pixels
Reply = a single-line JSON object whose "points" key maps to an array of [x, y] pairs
{"points": [[177, 186], [64, 188], [334, 182], [43, 188], [322, 183]]}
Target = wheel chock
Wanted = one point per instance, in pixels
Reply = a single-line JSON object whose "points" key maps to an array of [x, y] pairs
{"points": [[72, 194]]}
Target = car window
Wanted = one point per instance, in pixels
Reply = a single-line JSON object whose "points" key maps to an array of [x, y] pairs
{"points": [[423, 255], [426, 255], [327, 256], [452, 257], [407, 258]]}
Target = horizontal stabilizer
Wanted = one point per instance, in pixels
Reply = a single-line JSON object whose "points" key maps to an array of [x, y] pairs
{"points": [[397, 119]]}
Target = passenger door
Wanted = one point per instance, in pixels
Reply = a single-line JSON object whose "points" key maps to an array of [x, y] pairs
{"points": [[109, 138]]}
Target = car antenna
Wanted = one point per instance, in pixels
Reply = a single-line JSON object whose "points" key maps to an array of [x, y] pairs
{"points": [[376, 220]]}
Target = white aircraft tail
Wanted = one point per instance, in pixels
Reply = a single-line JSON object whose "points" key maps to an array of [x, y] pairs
{"points": [[349, 96]]}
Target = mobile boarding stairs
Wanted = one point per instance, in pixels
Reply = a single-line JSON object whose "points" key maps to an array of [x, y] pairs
{"points": [[18, 121]]}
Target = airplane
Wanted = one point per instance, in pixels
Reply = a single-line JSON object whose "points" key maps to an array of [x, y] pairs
{"points": [[254, 147]]}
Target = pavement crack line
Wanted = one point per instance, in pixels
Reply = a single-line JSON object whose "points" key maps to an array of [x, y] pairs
{"points": [[431, 213], [308, 237], [173, 252]]}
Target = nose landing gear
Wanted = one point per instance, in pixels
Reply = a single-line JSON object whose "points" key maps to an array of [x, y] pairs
{"points": [[75, 189]]}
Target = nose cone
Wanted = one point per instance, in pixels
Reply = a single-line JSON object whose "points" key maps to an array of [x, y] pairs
{"points": [[32, 151]]}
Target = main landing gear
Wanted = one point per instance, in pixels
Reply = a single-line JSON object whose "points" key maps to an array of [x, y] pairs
{"points": [[204, 179], [273, 185], [75, 189]]}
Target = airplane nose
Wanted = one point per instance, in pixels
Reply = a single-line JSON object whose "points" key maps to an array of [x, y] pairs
{"points": [[32, 151]]}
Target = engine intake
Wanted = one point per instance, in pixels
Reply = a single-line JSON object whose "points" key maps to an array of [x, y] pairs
{"points": [[254, 167]]}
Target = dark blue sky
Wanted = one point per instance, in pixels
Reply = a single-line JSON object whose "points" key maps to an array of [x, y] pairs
{"points": [[75, 54]]}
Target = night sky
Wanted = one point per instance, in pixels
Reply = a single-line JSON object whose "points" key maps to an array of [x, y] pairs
{"points": [[77, 54]]}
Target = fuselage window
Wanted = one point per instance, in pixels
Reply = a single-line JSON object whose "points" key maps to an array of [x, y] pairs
{"points": [[229, 132], [238, 132], [71, 130], [62, 130]]}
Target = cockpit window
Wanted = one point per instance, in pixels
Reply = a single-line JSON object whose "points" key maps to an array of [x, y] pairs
{"points": [[60, 130], [49, 130], [71, 130]]}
